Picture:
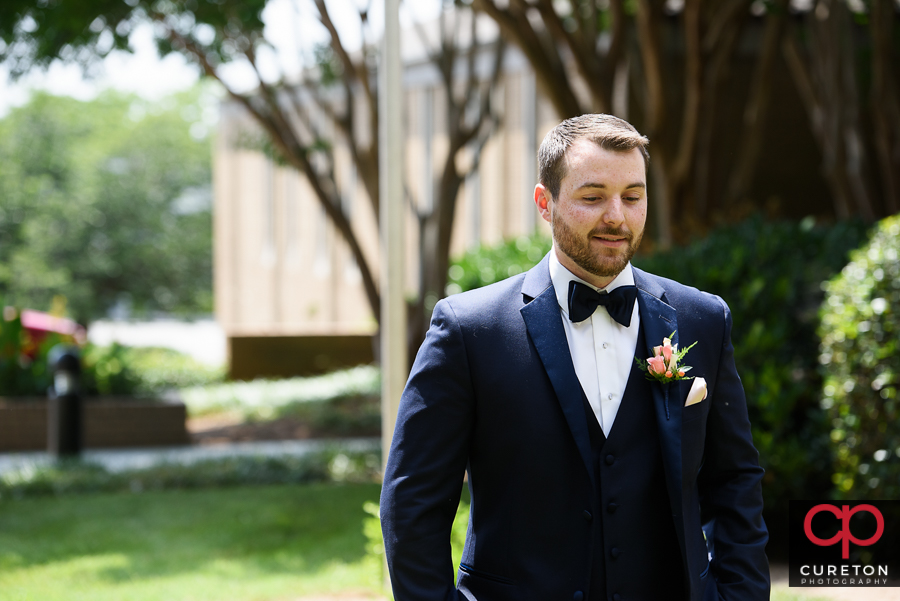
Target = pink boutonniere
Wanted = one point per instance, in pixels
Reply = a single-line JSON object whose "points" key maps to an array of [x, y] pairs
{"points": [[665, 364]]}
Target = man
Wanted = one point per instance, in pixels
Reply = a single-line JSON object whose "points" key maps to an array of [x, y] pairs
{"points": [[588, 479]]}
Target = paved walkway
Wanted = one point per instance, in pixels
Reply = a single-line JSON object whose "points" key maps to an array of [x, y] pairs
{"points": [[117, 460]]}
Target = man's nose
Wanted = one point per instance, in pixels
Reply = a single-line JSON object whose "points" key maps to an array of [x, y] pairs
{"points": [[614, 215]]}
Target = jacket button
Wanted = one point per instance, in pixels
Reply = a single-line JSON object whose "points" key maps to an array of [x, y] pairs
{"points": [[587, 515], [610, 460], [615, 552], [578, 596], [611, 508]]}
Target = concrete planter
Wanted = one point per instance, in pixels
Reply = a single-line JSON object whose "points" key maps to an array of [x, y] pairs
{"points": [[108, 422]]}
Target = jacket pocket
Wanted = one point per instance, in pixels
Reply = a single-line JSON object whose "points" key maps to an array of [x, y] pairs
{"points": [[705, 572], [708, 586], [467, 569], [693, 412]]}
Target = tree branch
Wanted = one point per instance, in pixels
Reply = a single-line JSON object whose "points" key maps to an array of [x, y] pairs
{"points": [[584, 53], [720, 57], [544, 58], [884, 103], [350, 67], [651, 57], [693, 83], [728, 13], [617, 41], [293, 153], [757, 106]]}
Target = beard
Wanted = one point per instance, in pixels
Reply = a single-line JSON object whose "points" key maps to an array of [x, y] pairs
{"points": [[579, 249]]}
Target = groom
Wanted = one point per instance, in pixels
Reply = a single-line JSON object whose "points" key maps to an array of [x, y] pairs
{"points": [[588, 480]]}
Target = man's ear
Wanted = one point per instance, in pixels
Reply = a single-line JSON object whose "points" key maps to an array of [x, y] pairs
{"points": [[542, 200]]}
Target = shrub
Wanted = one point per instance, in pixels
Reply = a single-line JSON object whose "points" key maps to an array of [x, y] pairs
{"points": [[23, 358], [341, 416], [771, 276], [266, 399], [142, 371], [105, 370], [111, 370], [488, 264], [860, 358]]}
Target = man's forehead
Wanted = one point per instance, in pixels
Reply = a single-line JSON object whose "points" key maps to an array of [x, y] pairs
{"points": [[578, 155]]}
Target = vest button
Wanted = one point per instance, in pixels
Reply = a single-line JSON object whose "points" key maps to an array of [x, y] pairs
{"points": [[578, 596], [611, 508], [587, 515], [610, 460], [615, 552]]}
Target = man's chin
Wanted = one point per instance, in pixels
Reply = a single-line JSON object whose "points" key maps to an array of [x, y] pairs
{"points": [[612, 262], [606, 269]]}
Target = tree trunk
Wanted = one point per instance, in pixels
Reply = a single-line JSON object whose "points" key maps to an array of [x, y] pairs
{"points": [[470, 120], [543, 57], [270, 112], [757, 107], [885, 104], [826, 83]]}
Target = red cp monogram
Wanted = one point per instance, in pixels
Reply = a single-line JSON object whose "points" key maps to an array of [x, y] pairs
{"points": [[844, 535]]}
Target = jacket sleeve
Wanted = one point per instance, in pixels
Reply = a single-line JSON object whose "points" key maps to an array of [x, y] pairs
{"points": [[423, 476], [730, 487]]}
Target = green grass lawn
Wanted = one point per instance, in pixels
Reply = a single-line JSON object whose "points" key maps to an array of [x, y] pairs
{"points": [[265, 543], [250, 543], [785, 594]]}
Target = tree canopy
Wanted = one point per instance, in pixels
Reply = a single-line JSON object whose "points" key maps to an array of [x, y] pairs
{"points": [[707, 80], [34, 33], [301, 113], [106, 202], [664, 66]]}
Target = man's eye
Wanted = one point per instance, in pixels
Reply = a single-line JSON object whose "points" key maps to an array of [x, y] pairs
{"points": [[633, 198]]}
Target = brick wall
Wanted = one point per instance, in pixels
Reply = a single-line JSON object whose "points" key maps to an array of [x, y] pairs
{"points": [[107, 423]]}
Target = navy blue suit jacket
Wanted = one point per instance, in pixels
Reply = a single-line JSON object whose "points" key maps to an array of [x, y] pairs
{"points": [[493, 392]]}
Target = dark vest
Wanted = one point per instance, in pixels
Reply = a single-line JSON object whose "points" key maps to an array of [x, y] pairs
{"points": [[636, 555]]}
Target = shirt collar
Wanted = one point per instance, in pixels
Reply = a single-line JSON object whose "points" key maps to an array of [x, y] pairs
{"points": [[560, 276]]}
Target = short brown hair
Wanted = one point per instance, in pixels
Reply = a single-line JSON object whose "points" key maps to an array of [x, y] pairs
{"points": [[606, 131]]}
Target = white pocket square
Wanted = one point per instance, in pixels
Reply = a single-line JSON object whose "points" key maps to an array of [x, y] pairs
{"points": [[697, 393]]}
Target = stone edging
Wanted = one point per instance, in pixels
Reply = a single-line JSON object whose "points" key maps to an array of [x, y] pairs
{"points": [[109, 422]]}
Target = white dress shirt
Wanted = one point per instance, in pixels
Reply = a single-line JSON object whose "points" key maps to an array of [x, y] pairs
{"points": [[602, 349]]}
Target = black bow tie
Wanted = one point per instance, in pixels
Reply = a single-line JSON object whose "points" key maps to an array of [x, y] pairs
{"points": [[583, 300]]}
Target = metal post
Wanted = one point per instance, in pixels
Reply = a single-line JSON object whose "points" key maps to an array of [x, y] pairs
{"points": [[393, 306], [64, 406]]}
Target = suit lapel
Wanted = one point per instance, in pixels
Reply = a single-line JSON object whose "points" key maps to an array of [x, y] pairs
{"points": [[542, 320], [658, 321]]}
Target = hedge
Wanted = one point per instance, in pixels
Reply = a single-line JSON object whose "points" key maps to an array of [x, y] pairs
{"points": [[771, 276], [860, 359]]}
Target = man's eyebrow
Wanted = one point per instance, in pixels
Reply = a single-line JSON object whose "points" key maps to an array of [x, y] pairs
{"points": [[640, 185]]}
